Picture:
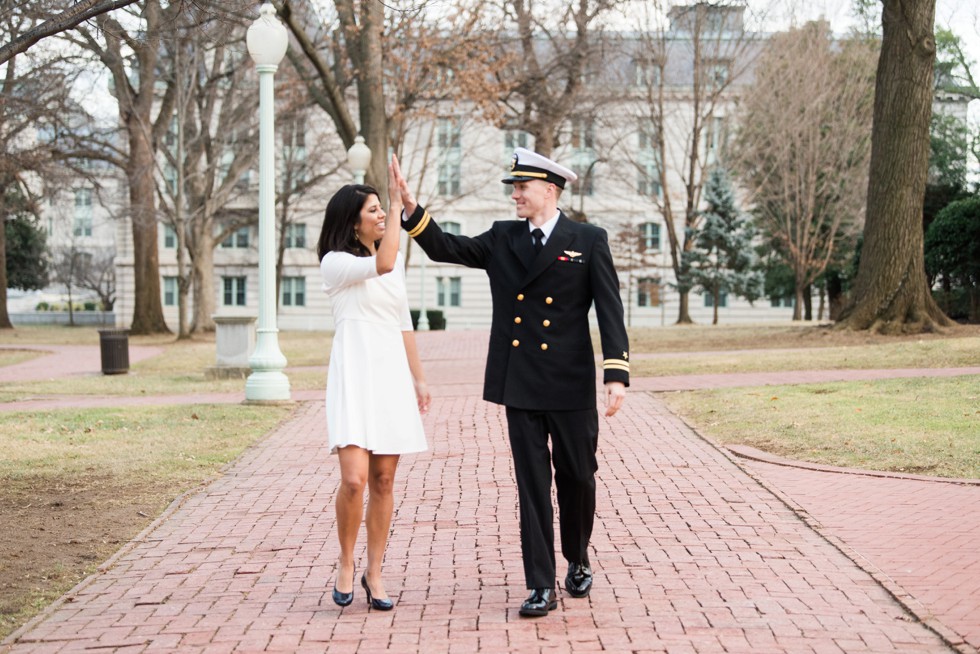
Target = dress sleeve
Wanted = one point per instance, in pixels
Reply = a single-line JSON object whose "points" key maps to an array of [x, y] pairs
{"points": [[340, 269]]}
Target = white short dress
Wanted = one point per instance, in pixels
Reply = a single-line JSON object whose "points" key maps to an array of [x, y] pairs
{"points": [[371, 399]]}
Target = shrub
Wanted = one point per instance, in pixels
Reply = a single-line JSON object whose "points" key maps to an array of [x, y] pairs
{"points": [[952, 250], [437, 319]]}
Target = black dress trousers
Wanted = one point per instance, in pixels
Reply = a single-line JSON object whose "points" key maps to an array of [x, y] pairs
{"points": [[574, 440]]}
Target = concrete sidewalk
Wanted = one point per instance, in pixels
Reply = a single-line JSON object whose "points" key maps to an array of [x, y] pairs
{"points": [[695, 550]]}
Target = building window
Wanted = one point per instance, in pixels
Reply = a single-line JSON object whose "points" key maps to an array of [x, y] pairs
{"points": [[237, 239], [716, 74], [296, 235], [445, 76], [649, 237], [647, 74], [169, 237], [83, 212], [169, 291], [234, 291], [584, 185], [648, 180], [450, 227], [777, 302], [716, 140], [294, 150], [514, 139], [448, 132], [449, 175], [293, 291], [448, 291], [583, 134], [709, 300], [648, 292]]}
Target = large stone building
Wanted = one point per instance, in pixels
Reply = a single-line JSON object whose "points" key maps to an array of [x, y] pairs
{"points": [[455, 162]]}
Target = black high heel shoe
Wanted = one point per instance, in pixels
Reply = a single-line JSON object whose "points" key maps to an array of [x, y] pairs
{"points": [[344, 599], [374, 602]]}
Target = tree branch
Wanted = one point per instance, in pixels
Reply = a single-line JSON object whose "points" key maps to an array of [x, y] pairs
{"points": [[69, 18]]}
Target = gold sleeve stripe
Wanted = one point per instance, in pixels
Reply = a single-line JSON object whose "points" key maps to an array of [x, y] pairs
{"points": [[418, 229], [615, 364]]}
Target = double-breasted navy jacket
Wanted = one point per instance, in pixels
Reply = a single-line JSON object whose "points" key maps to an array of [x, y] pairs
{"points": [[540, 355]]}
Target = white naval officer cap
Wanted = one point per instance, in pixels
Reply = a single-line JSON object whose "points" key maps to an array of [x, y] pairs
{"points": [[527, 165]]}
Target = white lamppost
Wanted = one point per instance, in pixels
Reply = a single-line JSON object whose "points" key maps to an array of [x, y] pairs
{"points": [[267, 42], [359, 158]]}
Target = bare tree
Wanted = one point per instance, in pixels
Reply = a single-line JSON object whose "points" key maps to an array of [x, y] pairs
{"points": [[36, 110], [97, 273], [48, 23], [305, 161], [66, 264], [209, 148], [635, 257], [687, 72], [131, 55], [558, 57], [803, 145], [891, 294], [339, 50]]}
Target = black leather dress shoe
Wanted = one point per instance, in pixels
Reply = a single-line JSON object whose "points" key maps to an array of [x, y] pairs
{"points": [[578, 581], [539, 602]]}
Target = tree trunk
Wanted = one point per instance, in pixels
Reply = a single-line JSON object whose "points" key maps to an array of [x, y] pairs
{"points": [[204, 292], [891, 294], [798, 303], [370, 94], [148, 306], [683, 311], [4, 316]]}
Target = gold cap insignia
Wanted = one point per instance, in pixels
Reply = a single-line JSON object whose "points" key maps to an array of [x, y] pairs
{"points": [[513, 162]]}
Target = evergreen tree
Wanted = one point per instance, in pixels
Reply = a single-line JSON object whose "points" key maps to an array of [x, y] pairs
{"points": [[27, 267], [722, 259], [952, 257]]}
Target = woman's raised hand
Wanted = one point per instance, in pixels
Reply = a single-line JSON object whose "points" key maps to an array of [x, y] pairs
{"points": [[398, 183]]}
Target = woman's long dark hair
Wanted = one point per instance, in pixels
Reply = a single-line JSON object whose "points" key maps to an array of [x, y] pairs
{"points": [[339, 220]]}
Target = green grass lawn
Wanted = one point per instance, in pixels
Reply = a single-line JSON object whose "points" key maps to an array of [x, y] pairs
{"points": [[927, 426]]}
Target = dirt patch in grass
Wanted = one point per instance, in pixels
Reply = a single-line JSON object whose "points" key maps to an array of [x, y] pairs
{"points": [[58, 531], [76, 485]]}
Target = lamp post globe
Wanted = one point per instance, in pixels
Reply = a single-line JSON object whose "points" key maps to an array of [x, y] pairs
{"points": [[267, 41], [266, 38], [359, 158]]}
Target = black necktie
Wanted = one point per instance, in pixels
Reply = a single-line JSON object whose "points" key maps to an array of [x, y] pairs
{"points": [[538, 239]]}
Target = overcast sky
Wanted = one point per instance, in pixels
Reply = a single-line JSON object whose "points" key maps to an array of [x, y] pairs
{"points": [[962, 16]]}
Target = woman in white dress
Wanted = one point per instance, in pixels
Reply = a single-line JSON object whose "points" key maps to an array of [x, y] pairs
{"points": [[376, 390]]}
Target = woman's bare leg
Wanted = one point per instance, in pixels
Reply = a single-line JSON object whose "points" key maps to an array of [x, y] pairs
{"points": [[354, 468], [381, 478]]}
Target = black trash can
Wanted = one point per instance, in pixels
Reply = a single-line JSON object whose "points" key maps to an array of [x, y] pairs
{"points": [[114, 344]]}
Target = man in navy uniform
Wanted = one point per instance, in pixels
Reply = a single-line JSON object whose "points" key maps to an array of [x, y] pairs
{"points": [[545, 273]]}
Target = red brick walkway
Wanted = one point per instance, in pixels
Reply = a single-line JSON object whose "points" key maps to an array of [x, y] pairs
{"points": [[694, 550]]}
